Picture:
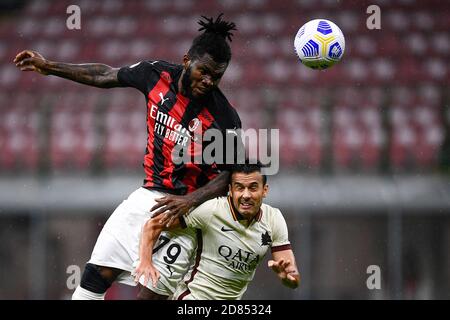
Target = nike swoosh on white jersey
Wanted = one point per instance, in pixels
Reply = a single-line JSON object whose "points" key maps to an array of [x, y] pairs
{"points": [[225, 230]]}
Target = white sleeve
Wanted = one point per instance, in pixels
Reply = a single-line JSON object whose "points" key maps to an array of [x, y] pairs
{"points": [[280, 239], [200, 216]]}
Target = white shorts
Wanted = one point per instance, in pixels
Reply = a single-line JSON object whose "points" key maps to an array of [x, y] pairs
{"points": [[182, 293], [117, 245]]}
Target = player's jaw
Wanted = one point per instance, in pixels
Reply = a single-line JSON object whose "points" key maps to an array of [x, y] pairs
{"points": [[201, 87], [247, 207]]}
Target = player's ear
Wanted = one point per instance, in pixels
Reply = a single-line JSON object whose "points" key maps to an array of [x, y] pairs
{"points": [[186, 61], [265, 190]]}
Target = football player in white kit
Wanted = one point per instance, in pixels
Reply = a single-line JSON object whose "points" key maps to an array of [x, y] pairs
{"points": [[233, 234]]}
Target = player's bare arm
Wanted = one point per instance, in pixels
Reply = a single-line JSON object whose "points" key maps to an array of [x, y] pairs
{"points": [[150, 234], [175, 206], [283, 264], [93, 74]]}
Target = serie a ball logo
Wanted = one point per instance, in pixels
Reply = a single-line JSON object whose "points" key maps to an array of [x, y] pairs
{"points": [[319, 44]]}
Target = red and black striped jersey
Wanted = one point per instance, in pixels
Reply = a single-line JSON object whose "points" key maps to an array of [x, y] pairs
{"points": [[171, 118]]}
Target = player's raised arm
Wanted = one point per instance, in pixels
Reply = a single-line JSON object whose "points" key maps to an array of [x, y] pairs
{"points": [[93, 74], [283, 264]]}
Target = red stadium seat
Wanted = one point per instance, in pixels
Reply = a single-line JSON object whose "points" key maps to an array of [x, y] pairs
{"points": [[125, 133], [440, 44], [300, 128], [73, 127], [9, 77], [20, 127]]}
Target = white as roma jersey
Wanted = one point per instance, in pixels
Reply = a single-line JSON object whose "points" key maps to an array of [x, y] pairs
{"points": [[173, 254], [228, 250]]}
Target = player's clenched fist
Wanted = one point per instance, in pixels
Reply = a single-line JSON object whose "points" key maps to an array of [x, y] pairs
{"points": [[28, 60]]}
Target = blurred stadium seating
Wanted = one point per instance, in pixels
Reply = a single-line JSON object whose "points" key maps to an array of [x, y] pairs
{"points": [[399, 123]]}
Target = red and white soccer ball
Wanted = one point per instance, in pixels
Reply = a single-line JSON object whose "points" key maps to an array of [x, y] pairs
{"points": [[319, 44]]}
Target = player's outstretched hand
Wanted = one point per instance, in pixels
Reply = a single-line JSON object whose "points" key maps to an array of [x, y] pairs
{"points": [[147, 270], [28, 60], [285, 271], [173, 206]]}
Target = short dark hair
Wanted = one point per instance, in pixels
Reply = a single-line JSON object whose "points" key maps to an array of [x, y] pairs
{"points": [[247, 168], [213, 40]]}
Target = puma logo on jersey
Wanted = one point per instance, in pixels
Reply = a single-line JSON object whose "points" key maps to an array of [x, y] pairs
{"points": [[170, 269], [136, 64], [162, 98]]}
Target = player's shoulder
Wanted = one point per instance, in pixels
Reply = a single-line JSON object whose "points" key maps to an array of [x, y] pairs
{"points": [[222, 202], [271, 214], [162, 65], [226, 110], [213, 205], [221, 100]]}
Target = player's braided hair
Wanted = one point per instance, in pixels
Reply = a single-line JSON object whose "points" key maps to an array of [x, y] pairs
{"points": [[219, 26], [213, 40]]}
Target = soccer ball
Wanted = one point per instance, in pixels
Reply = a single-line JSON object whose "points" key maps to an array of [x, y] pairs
{"points": [[319, 44]]}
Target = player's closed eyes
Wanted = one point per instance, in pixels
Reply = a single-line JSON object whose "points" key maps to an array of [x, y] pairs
{"points": [[252, 188], [214, 76]]}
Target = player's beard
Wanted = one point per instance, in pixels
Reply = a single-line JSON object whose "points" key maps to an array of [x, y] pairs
{"points": [[186, 83]]}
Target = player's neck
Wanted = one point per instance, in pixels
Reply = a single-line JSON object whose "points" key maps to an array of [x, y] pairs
{"points": [[180, 86], [247, 218]]}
